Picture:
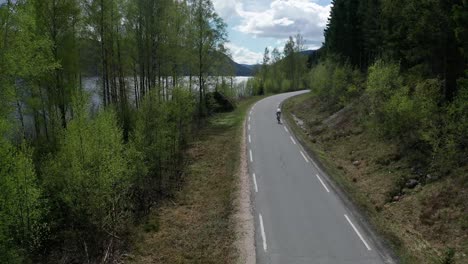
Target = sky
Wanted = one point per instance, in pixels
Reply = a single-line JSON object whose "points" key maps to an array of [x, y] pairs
{"points": [[254, 25]]}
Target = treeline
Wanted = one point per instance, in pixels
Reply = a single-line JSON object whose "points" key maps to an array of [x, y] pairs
{"points": [[403, 65], [74, 184], [282, 72]]}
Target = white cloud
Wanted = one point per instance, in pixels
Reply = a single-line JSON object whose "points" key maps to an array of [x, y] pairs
{"points": [[243, 55], [226, 9], [285, 18]]}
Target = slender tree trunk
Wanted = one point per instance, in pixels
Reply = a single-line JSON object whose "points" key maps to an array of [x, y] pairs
{"points": [[103, 57], [20, 112]]}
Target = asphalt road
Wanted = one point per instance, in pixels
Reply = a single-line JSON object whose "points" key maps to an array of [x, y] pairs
{"points": [[299, 217]]}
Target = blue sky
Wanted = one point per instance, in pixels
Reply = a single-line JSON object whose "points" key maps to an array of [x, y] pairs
{"points": [[256, 24]]}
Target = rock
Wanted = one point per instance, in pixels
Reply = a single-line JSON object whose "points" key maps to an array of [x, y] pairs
{"points": [[411, 184], [396, 198], [356, 163]]}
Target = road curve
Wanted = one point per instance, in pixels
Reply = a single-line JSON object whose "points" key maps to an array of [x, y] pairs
{"points": [[298, 217]]}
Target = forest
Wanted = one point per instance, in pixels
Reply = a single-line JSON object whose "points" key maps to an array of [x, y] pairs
{"points": [[395, 74], [76, 178], [404, 64]]}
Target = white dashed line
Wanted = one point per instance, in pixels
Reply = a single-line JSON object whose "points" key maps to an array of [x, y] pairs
{"points": [[263, 233], [250, 139], [304, 156], [324, 186], [249, 126], [357, 232], [255, 182], [251, 157], [292, 139], [249, 118]]}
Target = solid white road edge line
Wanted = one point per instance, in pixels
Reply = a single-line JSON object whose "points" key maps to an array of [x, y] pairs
{"points": [[324, 186], [251, 157], [357, 232], [285, 128], [304, 156], [255, 182], [250, 139], [263, 233], [292, 139]]}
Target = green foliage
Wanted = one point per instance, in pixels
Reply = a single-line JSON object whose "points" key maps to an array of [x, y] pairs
{"points": [[429, 35], [410, 114], [337, 84], [383, 82], [449, 140], [98, 170], [88, 177], [283, 73], [21, 207], [162, 130], [449, 256]]}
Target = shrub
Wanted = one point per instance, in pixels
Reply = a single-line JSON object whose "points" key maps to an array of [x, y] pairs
{"points": [[160, 136], [21, 208], [286, 85], [88, 180], [337, 84], [382, 83]]}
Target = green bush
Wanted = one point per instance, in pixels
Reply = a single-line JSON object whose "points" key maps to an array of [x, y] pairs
{"points": [[88, 180], [398, 111], [286, 85], [450, 140], [161, 134], [21, 208], [337, 84], [383, 81]]}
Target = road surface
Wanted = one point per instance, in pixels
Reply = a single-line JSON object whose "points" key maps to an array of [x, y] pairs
{"points": [[299, 217]]}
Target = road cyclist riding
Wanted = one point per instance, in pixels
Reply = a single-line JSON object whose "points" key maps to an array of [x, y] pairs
{"points": [[278, 115]]}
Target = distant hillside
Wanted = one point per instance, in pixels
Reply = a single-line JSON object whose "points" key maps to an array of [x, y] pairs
{"points": [[242, 69], [249, 70]]}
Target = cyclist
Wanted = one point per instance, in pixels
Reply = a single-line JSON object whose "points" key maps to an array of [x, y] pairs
{"points": [[278, 115]]}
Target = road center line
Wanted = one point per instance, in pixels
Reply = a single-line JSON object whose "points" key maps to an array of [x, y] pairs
{"points": [[324, 186], [249, 118], [251, 157], [250, 139], [292, 139], [255, 182], [249, 126], [357, 232], [263, 233], [304, 156]]}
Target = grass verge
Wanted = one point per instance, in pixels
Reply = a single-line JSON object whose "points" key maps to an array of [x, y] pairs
{"points": [[427, 224], [198, 226]]}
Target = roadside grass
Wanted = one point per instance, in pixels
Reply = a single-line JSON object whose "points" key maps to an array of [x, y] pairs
{"points": [[425, 223], [197, 226]]}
